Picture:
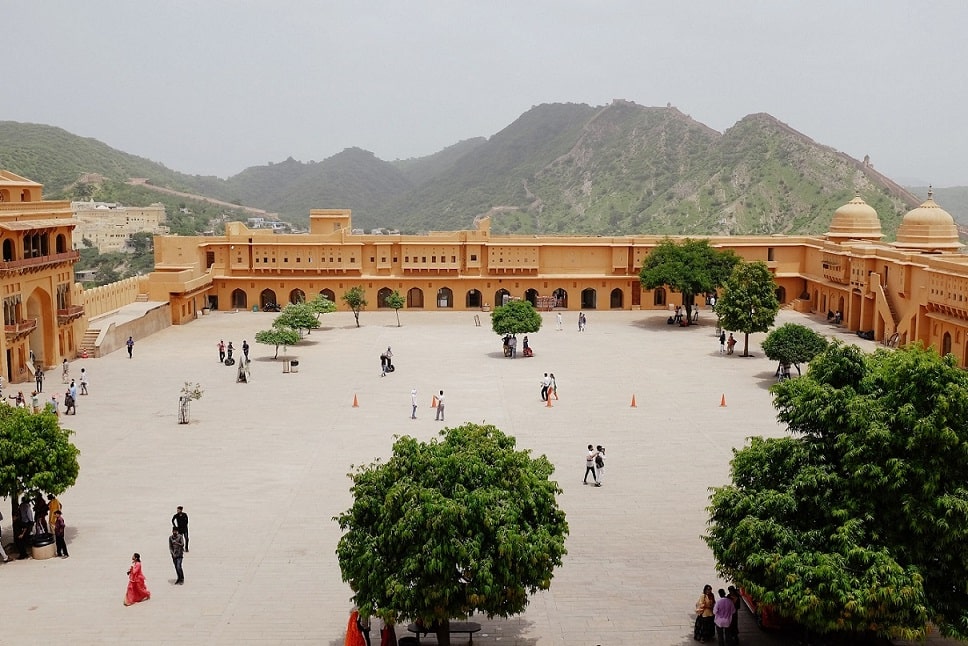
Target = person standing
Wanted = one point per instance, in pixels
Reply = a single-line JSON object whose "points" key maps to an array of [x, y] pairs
{"points": [[245, 350], [40, 514], [54, 505], [723, 613], [39, 378], [732, 633], [59, 527], [383, 364], [440, 407], [72, 389], [54, 406], [65, 371], [3, 554], [228, 352], [413, 403], [581, 316], [590, 465], [34, 401], [221, 351], [83, 381], [70, 407], [137, 590], [176, 545], [130, 344], [554, 387], [558, 322], [600, 463], [730, 343], [180, 520], [704, 615], [722, 342], [545, 385]]}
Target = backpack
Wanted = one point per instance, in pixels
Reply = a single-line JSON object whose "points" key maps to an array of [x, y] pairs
{"points": [[599, 461]]}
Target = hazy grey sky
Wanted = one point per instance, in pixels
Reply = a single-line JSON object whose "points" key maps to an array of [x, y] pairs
{"points": [[215, 86]]}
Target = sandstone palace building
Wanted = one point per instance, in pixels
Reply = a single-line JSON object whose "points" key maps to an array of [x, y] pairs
{"points": [[912, 289]]}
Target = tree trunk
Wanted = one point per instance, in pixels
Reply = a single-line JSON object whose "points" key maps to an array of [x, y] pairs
{"points": [[277, 352], [398, 318], [443, 632], [746, 344]]}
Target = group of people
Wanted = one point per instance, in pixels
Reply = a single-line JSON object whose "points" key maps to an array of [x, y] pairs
{"points": [[177, 546], [225, 352], [52, 405], [595, 464], [718, 616], [726, 345], [549, 387], [37, 516]]}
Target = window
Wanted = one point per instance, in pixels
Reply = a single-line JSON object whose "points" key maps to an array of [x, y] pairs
{"points": [[473, 256]]}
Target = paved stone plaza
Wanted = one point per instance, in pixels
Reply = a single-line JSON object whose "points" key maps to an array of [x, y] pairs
{"points": [[261, 470]]}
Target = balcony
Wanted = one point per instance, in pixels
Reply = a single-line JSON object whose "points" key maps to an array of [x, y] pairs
{"points": [[38, 262], [19, 329], [70, 313]]}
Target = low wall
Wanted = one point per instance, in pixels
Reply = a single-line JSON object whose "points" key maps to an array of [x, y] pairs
{"points": [[98, 301], [114, 335]]}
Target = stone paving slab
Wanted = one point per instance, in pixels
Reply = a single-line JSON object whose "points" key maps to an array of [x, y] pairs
{"points": [[261, 470]]}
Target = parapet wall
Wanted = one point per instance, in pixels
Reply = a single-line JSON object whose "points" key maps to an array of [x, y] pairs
{"points": [[107, 298]]}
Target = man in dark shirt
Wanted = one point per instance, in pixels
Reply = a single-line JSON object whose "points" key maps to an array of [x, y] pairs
{"points": [[176, 545], [180, 520]]}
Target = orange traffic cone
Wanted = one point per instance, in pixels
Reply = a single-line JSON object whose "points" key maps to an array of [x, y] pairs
{"points": [[356, 403], [433, 403], [548, 405], [633, 401], [722, 402]]}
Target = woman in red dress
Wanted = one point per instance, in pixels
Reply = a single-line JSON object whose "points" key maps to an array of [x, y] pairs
{"points": [[137, 591]]}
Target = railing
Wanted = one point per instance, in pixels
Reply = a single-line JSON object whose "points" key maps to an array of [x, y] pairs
{"points": [[40, 261], [69, 313], [20, 328]]}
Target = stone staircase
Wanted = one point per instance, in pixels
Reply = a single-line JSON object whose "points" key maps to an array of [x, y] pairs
{"points": [[88, 342]]}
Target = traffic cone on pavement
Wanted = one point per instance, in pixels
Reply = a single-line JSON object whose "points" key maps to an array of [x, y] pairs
{"points": [[633, 401], [722, 402], [356, 403]]}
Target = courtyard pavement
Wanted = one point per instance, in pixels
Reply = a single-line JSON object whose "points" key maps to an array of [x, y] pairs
{"points": [[261, 470]]}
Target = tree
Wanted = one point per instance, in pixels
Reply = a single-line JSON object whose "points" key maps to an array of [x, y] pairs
{"points": [[36, 454], [355, 297], [452, 526], [515, 317], [278, 336], [748, 303], [857, 522], [396, 301], [142, 242], [321, 305], [297, 316], [690, 267], [793, 344]]}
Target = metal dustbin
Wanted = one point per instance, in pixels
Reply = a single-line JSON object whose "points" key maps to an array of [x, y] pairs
{"points": [[294, 365], [255, 308], [42, 546], [286, 365]]}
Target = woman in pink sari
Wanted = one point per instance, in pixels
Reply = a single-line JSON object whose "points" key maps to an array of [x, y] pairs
{"points": [[137, 591]]}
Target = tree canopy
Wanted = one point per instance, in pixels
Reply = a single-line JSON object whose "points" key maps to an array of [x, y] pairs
{"points": [[792, 343], [464, 523], [396, 301], [321, 305], [858, 521], [748, 303], [277, 336], [355, 298], [515, 317], [297, 316], [36, 454], [689, 267]]}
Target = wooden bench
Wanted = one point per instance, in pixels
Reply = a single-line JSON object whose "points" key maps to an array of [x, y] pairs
{"points": [[456, 627]]}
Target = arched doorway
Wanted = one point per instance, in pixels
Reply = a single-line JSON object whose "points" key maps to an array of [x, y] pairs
{"points": [[266, 298], [297, 296], [382, 296], [7, 250], [561, 298], [328, 295], [414, 298], [60, 243], [501, 297], [41, 340], [946, 344], [445, 298], [473, 299], [616, 299], [659, 297], [588, 298], [240, 300], [531, 296], [781, 295]]}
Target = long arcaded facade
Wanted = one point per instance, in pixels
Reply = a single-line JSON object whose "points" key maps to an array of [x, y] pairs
{"points": [[913, 289]]}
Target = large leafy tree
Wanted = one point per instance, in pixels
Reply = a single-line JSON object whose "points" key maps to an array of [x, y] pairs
{"points": [[515, 317], [792, 343], [748, 303], [858, 521], [297, 316], [466, 523], [689, 267], [396, 301], [355, 298], [36, 454], [277, 336]]}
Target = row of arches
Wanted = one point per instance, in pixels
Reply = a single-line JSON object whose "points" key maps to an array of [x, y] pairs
{"points": [[445, 299], [35, 245]]}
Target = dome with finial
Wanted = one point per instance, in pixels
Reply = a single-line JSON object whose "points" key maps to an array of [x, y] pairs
{"points": [[928, 228], [856, 220]]}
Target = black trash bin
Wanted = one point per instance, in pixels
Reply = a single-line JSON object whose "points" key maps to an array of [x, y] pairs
{"points": [[294, 365]]}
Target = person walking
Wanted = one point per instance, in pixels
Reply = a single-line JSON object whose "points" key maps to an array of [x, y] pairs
{"points": [[53, 406], [180, 520], [590, 466], [723, 613], [558, 322], [34, 401], [722, 342], [70, 406], [83, 381], [221, 351], [59, 526], [554, 387], [176, 545], [39, 379], [130, 344], [730, 343], [72, 389], [600, 463], [228, 353], [245, 350], [65, 371], [545, 385], [413, 403], [440, 407], [137, 590]]}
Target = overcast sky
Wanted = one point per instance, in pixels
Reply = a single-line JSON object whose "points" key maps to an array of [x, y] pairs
{"points": [[215, 86]]}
